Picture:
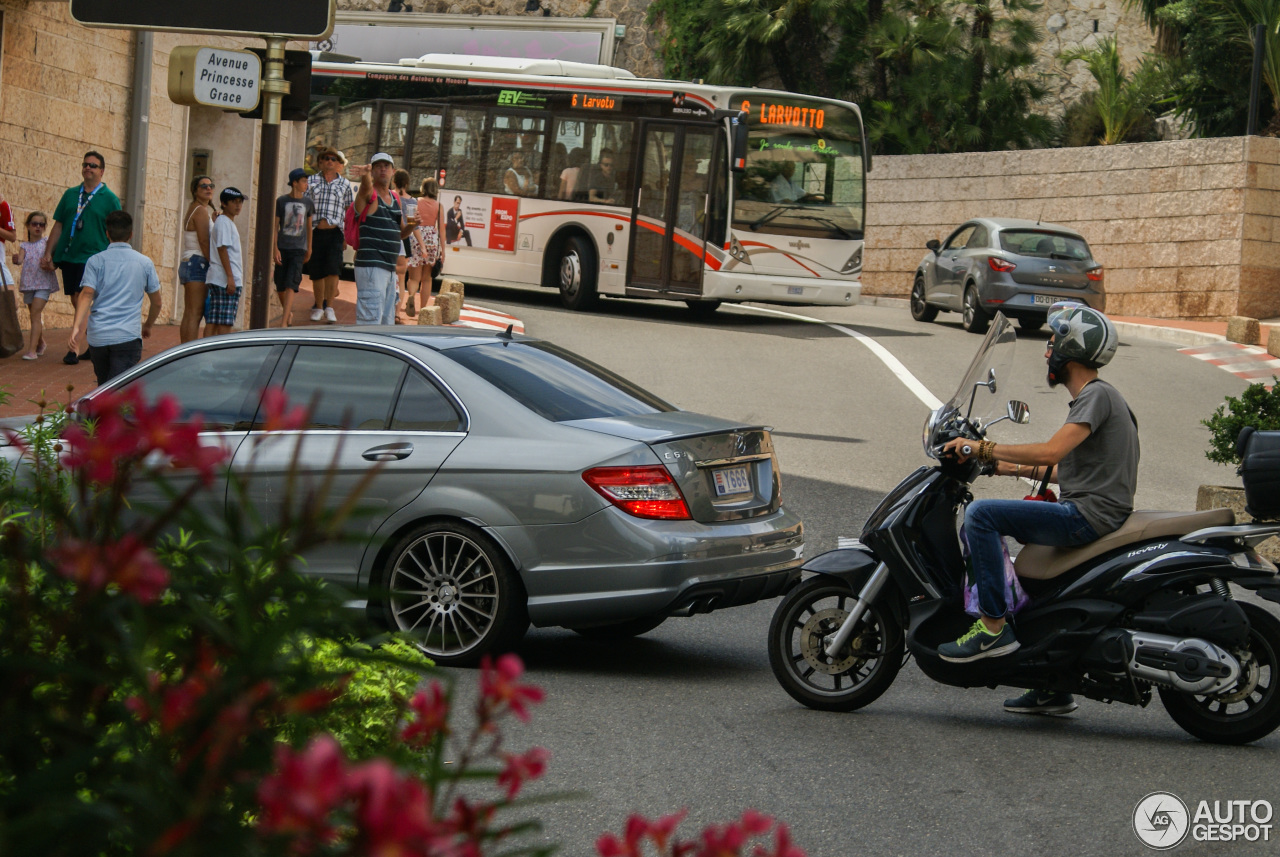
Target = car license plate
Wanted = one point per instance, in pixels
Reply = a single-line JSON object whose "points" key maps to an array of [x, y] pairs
{"points": [[795, 290], [1045, 300], [732, 480]]}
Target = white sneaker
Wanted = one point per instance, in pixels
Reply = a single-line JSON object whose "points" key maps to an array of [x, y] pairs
{"points": [[330, 317], [317, 313]]}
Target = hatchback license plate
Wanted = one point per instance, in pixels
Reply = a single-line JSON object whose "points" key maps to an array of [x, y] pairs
{"points": [[732, 480], [1045, 300]]}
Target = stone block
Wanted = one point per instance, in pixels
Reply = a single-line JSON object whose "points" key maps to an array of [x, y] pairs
{"points": [[1273, 340], [1242, 329], [450, 286], [450, 307], [430, 315]]}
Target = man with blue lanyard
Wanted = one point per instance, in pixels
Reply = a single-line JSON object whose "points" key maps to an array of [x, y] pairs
{"points": [[80, 231]]}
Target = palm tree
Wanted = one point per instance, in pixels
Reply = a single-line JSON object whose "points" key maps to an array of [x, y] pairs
{"points": [[1121, 101]]}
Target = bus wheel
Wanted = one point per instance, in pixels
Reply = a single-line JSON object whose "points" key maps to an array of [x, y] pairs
{"points": [[578, 274], [703, 309]]}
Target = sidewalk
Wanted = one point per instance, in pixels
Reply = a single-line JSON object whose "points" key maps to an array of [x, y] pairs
{"points": [[27, 380]]}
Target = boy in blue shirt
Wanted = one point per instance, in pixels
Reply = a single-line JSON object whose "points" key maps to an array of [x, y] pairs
{"points": [[114, 282]]}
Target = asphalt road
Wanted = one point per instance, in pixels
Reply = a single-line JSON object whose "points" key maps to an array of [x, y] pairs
{"points": [[689, 715]]}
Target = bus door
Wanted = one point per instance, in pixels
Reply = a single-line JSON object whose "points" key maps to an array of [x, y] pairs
{"points": [[410, 133], [669, 219]]}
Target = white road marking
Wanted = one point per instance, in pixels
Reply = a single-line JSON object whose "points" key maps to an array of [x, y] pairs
{"points": [[911, 382]]}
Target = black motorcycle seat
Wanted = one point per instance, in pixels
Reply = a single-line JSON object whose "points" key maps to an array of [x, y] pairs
{"points": [[1040, 562]]}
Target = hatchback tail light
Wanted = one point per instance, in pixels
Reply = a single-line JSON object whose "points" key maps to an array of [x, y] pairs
{"points": [[998, 264], [1095, 275], [645, 492]]}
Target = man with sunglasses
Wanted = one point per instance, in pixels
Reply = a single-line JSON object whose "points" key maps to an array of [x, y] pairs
{"points": [[80, 230], [1093, 458], [332, 195]]}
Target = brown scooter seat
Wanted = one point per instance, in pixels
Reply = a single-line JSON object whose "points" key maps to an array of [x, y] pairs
{"points": [[1040, 562]]}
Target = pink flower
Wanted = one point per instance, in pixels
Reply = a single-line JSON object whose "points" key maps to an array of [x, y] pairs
{"points": [[276, 413], [127, 563], [638, 829], [303, 791], [782, 845], [522, 768], [432, 707], [97, 449], [393, 812], [500, 690]]}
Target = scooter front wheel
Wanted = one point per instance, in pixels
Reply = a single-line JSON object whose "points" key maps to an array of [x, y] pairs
{"points": [[853, 677]]}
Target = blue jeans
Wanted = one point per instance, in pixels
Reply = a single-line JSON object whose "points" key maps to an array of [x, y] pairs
{"points": [[1032, 522], [375, 296]]}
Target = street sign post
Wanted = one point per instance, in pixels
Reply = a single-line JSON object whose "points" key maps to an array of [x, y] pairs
{"points": [[275, 22], [214, 77]]}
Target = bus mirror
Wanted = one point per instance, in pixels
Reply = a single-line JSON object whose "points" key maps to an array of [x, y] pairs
{"points": [[738, 129]]}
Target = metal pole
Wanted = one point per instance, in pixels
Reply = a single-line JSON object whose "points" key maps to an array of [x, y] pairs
{"points": [[274, 88], [1255, 85], [135, 187]]}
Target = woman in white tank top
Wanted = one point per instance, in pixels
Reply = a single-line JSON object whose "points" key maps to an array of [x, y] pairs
{"points": [[195, 256]]}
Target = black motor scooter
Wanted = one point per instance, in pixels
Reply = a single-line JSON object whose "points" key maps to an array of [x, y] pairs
{"points": [[1148, 606]]}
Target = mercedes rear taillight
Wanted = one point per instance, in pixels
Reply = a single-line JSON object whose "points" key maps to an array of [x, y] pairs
{"points": [[646, 491]]}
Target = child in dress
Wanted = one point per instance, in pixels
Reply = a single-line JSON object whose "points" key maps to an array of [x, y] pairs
{"points": [[37, 284]]}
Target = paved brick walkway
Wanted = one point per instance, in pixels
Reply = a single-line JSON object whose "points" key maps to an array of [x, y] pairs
{"points": [[28, 380]]}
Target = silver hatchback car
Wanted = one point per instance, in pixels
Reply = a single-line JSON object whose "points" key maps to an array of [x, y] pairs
{"points": [[1018, 267], [518, 482]]}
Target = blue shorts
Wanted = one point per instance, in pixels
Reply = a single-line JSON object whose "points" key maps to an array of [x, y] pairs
{"points": [[194, 269], [220, 307]]}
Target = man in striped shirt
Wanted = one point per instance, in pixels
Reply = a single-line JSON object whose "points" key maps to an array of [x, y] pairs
{"points": [[331, 193], [382, 227]]}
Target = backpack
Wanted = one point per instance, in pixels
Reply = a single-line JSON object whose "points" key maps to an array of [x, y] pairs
{"points": [[351, 228]]}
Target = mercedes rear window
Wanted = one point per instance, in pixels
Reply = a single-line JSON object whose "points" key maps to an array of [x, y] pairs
{"points": [[1036, 242], [555, 383]]}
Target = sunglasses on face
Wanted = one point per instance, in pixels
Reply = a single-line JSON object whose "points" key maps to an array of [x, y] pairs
{"points": [[37, 223], [88, 166], [204, 187], [329, 158]]}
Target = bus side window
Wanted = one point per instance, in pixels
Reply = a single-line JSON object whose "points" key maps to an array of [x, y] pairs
{"points": [[462, 163]]}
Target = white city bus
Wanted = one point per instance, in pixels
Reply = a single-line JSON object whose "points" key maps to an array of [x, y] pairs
{"points": [[589, 180]]}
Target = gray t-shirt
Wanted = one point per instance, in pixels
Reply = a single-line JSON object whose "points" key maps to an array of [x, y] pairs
{"points": [[1101, 474], [292, 215]]}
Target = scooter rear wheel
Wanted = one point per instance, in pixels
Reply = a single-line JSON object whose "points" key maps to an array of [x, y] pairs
{"points": [[855, 676], [1252, 709]]}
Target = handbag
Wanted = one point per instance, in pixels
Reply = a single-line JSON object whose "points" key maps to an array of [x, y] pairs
{"points": [[1015, 597], [11, 336]]}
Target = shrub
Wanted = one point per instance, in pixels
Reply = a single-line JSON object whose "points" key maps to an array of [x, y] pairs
{"points": [[1257, 407]]}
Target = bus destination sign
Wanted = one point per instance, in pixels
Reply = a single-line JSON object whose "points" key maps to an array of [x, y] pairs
{"points": [[786, 114], [595, 101]]}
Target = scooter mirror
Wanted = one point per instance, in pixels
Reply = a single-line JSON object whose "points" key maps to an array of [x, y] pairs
{"points": [[1019, 412]]}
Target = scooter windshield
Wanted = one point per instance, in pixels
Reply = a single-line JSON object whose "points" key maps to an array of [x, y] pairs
{"points": [[995, 355]]}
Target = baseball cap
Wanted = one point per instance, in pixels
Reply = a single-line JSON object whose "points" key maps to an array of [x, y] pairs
{"points": [[381, 156], [295, 174], [230, 193]]}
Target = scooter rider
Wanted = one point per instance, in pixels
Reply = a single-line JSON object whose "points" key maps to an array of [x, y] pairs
{"points": [[1093, 458]]}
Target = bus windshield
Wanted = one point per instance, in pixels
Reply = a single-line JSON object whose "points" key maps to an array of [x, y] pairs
{"points": [[804, 171]]}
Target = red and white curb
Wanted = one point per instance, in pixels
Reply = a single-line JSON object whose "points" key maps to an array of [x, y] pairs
{"points": [[487, 319], [1244, 361]]}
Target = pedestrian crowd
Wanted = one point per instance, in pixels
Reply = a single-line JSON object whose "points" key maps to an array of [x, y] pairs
{"points": [[395, 235]]}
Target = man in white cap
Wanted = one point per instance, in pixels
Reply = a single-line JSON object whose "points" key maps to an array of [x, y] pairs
{"points": [[382, 227]]}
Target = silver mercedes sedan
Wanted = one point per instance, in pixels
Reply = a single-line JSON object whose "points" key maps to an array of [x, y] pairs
{"points": [[518, 482], [1018, 267]]}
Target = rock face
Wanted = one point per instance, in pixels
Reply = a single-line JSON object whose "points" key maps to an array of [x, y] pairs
{"points": [[1070, 24], [637, 51]]}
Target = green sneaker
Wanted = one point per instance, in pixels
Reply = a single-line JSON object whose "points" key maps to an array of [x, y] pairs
{"points": [[979, 643]]}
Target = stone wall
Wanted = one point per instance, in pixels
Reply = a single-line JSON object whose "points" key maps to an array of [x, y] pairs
{"points": [[1071, 24], [1186, 229]]}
